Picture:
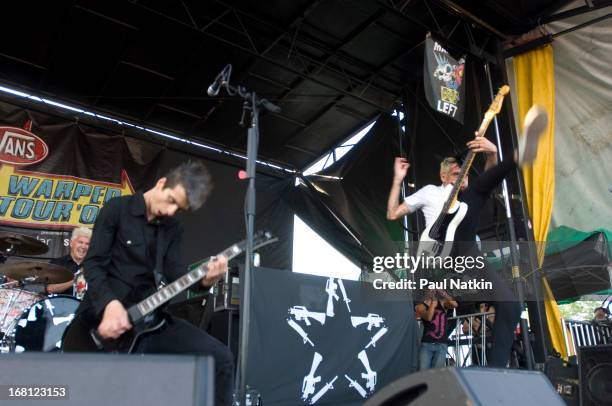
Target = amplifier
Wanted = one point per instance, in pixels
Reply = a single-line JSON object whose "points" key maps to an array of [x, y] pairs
{"points": [[227, 291]]}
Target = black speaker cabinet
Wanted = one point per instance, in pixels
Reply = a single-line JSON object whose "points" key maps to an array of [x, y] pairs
{"points": [[595, 366], [564, 379], [106, 379], [469, 386], [225, 327]]}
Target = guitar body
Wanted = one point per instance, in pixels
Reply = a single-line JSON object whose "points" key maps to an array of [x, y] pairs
{"points": [[439, 242], [80, 338]]}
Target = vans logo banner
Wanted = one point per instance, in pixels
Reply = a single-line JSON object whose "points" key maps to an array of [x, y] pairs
{"points": [[20, 147]]}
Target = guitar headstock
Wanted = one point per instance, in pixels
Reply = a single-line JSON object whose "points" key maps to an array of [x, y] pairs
{"points": [[499, 99], [262, 238], [496, 105]]}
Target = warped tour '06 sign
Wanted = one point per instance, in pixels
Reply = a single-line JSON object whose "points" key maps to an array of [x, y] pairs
{"points": [[32, 199], [444, 80], [57, 175]]}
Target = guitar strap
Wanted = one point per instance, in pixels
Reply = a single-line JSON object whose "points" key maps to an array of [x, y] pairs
{"points": [[160, 282]]}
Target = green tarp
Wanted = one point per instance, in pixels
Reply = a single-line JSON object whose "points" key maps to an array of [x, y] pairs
{"points": [[578, 263]]}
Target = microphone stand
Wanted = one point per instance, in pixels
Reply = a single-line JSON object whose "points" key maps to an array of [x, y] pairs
{"points": [[252, 104], [514, 254]]}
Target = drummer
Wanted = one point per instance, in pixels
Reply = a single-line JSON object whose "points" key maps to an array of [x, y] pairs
{"points": [[79, 244]]}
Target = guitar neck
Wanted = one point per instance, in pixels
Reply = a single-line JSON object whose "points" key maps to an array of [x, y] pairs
{"points": [[164, 295], [467, 164]]}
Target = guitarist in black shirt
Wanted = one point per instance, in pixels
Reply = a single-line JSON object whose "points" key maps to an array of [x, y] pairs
{"points": [[136, 241]]}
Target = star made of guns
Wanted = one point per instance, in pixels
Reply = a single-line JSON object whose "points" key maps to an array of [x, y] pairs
{"points": [[301, 313]]}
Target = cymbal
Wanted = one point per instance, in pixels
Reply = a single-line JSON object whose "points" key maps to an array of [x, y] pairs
{"points": [[41, 272], [21, 244]]}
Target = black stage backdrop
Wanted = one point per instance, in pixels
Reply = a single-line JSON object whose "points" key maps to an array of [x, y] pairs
{"points": [[281, 361], [221, 221], [356, 189]]}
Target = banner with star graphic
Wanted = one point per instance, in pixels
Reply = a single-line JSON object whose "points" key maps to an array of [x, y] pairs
{"points": [[444, 80], [325, 341]]}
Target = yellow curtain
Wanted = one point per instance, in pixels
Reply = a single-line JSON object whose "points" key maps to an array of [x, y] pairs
{"points": [[535, 83], [553, 317]]}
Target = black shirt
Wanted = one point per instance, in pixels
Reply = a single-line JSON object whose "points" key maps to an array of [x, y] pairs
{"points": [[122, 253], [435, 330], [476, 195], [67, 262]]}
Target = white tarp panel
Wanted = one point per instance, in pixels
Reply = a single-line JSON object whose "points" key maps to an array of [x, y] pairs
{"points": [[583, 123]]}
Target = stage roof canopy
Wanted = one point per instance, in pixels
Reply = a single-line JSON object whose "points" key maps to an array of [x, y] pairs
{"points": [[332, 66]]}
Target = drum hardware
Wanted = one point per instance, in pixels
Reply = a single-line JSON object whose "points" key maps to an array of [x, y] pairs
{"points": [[19, 244], [36, 272], [11, 284], [26, 284]]}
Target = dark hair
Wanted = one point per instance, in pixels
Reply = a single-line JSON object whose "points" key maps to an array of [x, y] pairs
{"points": [[606, 311], [195, 179]]}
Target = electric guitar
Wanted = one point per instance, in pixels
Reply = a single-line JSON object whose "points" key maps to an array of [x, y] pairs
{"points": [[437, 239], [143, 315]]}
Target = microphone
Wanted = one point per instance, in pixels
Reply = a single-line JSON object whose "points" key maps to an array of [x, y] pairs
{"points": [[270, 106], [213, 89]]}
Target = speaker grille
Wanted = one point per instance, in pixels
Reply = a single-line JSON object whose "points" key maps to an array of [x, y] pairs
{"points": [[596, 375]]}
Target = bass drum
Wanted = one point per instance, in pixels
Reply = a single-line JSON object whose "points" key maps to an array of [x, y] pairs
{"points": [[41, 327]]}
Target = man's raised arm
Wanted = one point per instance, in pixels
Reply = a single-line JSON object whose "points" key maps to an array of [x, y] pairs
{"points": [[395, 210]]}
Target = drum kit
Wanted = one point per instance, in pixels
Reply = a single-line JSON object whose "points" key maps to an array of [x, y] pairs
{"points": [[30, 320]]}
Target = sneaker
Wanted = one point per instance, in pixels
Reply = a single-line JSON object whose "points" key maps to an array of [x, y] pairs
{"points": [[536, 121]]}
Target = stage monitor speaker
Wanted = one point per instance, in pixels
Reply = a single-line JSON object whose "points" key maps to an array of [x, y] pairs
{"points": [[469, 386], [595, 366], [107, 379]]}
